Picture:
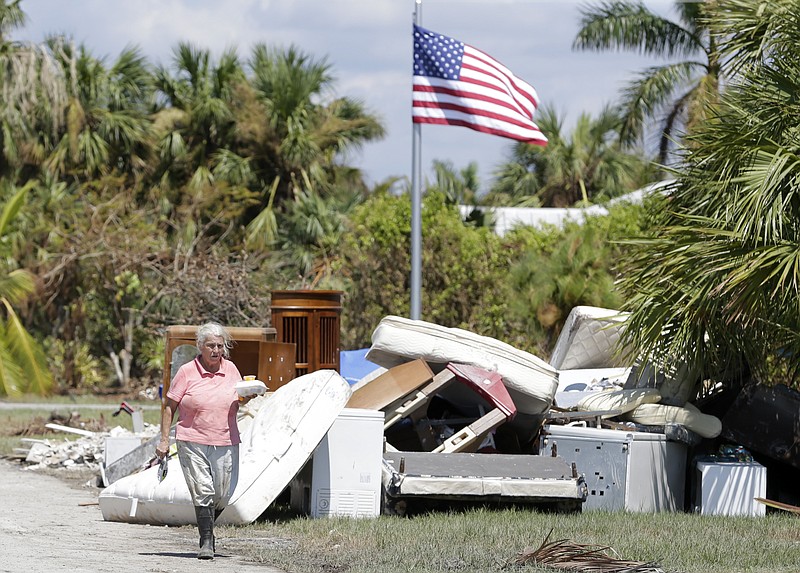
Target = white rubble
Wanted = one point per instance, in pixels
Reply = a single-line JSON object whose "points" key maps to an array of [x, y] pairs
{"points": [[84, 452]]}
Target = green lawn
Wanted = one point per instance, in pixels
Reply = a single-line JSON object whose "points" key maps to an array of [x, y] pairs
{"points": [[486, 539]]}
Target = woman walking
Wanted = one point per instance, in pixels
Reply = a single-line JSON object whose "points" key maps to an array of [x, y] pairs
{"points": [[203, 394]]}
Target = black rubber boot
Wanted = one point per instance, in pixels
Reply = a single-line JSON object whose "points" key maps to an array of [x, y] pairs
{"points": [[214, 540], [205, 523]]}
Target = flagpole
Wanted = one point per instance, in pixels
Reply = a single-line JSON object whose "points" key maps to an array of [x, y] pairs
{"points": [[416, 203]]}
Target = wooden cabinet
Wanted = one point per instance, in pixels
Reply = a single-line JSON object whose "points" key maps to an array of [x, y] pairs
{"points": [[309, 319]]}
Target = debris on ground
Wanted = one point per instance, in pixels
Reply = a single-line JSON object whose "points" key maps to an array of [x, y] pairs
{"points": [[86, 452], [449, 396], [571, 556]]}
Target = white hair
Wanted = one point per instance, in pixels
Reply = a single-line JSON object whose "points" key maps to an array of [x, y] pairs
{"points": [[210, 329]]}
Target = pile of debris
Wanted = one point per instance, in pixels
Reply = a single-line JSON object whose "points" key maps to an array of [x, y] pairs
{"points": [[89, 451], [632, 431], [462, 417]]}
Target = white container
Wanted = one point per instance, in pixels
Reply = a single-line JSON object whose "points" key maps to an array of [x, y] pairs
{"points": [[730, 488], [346, 466], [250, 387], [118, 446], [624, 470]]}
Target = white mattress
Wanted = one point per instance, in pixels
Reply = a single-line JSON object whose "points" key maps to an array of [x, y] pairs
{"points": [[674, 380], [277, 440], [530, 381], [589, 339]]}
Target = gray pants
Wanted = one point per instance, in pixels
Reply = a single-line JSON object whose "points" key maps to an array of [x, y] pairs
{"points": [[211, 472]]}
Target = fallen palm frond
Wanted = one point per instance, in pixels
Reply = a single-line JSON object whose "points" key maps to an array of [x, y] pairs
{"points": [[571, 556]]}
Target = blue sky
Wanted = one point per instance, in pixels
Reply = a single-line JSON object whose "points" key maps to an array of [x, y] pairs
{"points": [[368, 45]]}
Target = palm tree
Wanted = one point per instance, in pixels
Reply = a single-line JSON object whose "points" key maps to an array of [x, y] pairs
{"points": [[203, 172], [679, 93], [107, 127], [308, 134], [717, 283], [587, 165], [459, 187], [23, 367], [195, 123], [11, 18], [34, 94]]}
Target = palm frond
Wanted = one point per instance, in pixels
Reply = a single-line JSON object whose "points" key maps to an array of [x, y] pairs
{"points": [[768, 187], [262, 231], [753, 33], [16, 285], [12, 207], [12, 378], [570, 556], [202, 178], [27, 354], [232, 168], [631, 26], [652, 91]]}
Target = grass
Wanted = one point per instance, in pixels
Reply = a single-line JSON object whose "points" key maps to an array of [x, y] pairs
{"points": [[487, 539]]}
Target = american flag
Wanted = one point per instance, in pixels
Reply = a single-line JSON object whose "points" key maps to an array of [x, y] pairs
{"points": [[455, 84]]}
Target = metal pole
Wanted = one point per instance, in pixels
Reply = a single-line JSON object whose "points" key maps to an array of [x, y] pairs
{"points": [[416, 204]]}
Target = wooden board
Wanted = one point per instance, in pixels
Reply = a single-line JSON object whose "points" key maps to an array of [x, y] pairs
{"points": [[276, 364], [391, 386]]}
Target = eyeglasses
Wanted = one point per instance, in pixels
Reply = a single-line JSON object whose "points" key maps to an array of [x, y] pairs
{"points": [[215, 346]]}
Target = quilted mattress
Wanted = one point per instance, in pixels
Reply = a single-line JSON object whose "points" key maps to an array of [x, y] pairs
{"points": [[589, 339], [530, 381]]}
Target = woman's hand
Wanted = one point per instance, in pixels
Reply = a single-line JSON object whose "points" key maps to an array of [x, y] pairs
{"points": [[162, 449]]}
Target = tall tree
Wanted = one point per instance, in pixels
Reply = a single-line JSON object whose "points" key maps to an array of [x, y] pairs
{"points": [[309, 133], [200, 172], [586, 165], [107, 126], [34, 95], [678, 93], [717, 283]]}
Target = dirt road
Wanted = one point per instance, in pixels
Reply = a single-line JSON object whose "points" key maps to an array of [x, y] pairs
{"points": [[48, 525]]}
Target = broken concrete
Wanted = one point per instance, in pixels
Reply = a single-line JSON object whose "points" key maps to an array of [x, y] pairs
{"points": [[88, 451]]}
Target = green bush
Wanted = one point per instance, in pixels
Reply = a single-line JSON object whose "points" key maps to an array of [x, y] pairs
{"points": [[564, 268]]}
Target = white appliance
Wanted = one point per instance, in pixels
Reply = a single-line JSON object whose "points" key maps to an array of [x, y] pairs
{"points": [[624, 470], [346, 466], [730, 488]]}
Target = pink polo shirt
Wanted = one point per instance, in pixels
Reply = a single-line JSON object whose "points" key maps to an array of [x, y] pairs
{"points": [[207, 403]]}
